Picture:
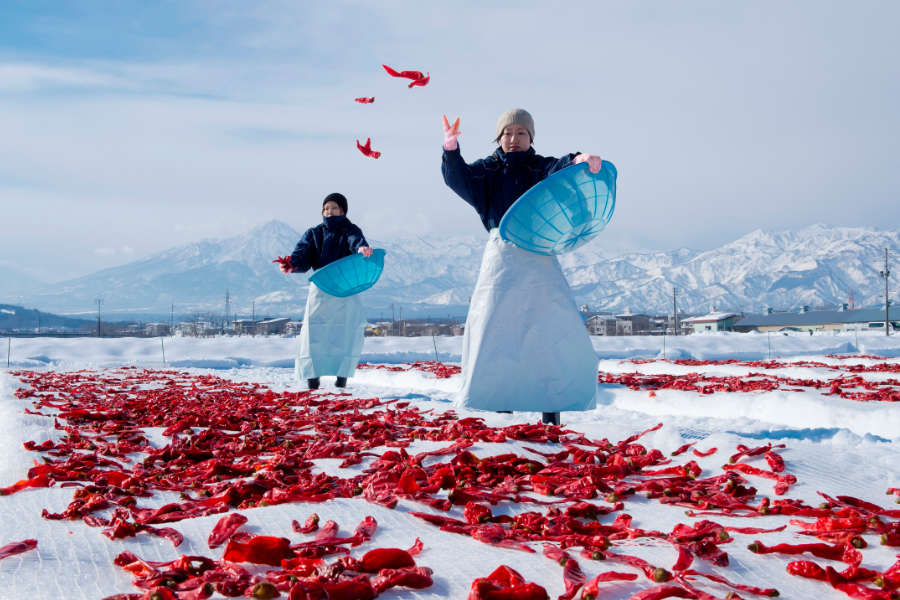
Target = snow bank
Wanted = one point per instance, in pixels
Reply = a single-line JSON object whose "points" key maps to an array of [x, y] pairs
{"points": [[275, 351]]}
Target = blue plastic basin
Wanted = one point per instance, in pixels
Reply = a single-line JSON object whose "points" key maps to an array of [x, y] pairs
{"points": [[350, 275], [562, 212]]}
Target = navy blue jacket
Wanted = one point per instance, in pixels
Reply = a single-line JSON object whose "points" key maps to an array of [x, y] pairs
{"points": [[491, 185], [323, 244]]}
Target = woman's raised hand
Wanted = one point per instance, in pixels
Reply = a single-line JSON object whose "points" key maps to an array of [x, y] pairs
{"points": [[365, 251], [451, 132], [594, 162]]}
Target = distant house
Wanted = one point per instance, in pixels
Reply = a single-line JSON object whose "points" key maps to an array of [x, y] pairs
{"points": [[867, 319], [244, 327], [272, 326], [629, 324], [601, 325], [712, 322], [156, 329]]}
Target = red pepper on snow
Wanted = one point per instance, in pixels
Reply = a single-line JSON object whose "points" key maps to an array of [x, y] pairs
{"points": [[17, 548], [386, 558], [225, 528]]}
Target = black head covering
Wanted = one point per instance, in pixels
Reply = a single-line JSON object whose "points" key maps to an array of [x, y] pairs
{"points": [[338, 199]]}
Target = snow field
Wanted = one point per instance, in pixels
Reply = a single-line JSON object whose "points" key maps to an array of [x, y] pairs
{"points": [[833, 445]]}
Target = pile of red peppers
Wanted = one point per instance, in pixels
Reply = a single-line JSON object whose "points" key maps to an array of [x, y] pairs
{"points": [[850, 387], [235, 445]]}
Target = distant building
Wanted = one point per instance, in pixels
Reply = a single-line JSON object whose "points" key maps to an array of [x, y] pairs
{"points": [[156, 329], [629, 324], [601, 325], [712, 322], [272, 326], [244, 327], [867, 319]]}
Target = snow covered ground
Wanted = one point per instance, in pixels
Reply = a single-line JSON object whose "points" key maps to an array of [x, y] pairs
{"points": [[833, 444]]}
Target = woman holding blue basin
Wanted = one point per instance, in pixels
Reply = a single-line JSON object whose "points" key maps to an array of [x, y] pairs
{"points": [[333, 327], [525, 346]]}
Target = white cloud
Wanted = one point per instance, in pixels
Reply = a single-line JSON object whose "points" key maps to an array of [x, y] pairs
{"points": [[29, 77]]}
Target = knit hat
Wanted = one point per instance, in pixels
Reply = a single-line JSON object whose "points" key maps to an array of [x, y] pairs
{"points": [[515, 116], [338, 199]]}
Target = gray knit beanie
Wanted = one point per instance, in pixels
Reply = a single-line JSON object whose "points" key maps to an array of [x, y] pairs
{"points": [[515, 116]]}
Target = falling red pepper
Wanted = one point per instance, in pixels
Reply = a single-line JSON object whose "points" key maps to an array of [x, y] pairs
{"points": [[417, 77], [367, 149], [365, 100]]}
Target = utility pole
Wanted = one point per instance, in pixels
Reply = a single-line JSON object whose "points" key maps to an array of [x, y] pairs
{"points": [[674, 312], [886, 274], [172, 319], [393, 320], [253, 311], [99, 302], [227, 303]]}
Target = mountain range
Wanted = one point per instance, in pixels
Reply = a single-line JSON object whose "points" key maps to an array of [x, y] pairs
{"points": [[813, 266]]}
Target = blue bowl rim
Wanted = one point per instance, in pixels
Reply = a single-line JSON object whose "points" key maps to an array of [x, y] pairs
{"points": [[563, 173], [376, 254]]}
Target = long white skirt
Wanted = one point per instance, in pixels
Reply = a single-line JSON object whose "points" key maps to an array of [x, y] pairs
{"points": [[331, 340], [525, 346]]}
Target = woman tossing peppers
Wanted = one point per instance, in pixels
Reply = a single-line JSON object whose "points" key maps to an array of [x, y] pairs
{"points": [[525, 347]]}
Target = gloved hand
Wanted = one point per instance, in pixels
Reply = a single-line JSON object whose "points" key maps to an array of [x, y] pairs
{"points": [[365, 251], [284, 263], [450, 134], [594, 162]]}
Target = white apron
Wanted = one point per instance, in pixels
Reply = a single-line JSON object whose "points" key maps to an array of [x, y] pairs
{"points": [[525, 346], [331, 339]]}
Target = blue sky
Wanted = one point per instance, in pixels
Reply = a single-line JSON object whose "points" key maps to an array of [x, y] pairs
{"points": [[129, 127]]}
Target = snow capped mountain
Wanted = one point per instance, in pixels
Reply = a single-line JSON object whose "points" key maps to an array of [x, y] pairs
{"points": [[786, 270], [16, 283], [812, 266]]}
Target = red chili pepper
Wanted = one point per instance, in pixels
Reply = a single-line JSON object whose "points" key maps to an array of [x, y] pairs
{"points": [[411, 577], [776, 463], [311, 524], [702, 454], [353, 589], [819, 550], [750, 589], [416, 548], [591, 590], [755, 530], [657, 574], [225, 528], [807, 569], [683, 448], [506, 583], [685, 558], [260, 549], [17, 548], [477, 513], [301, 566], [663, 591], [386, 558], [573, 577], [366, 149]]}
